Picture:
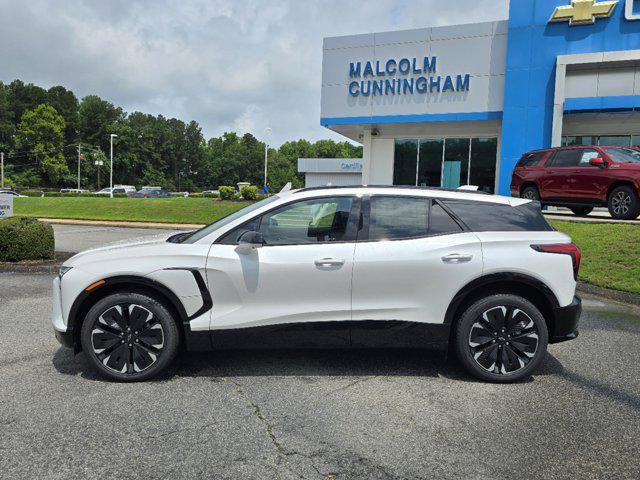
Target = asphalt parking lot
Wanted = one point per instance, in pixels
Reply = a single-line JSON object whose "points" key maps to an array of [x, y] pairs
{"points": [[383, 414]]}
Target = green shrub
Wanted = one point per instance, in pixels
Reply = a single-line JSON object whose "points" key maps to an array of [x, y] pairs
{"points": [[120, 195], [25, 239], [210, 195], [250, 192], [66, 194], [31, 193], [86, 194], [261, 196], [195, 195], [53, 194], [227, 192]]}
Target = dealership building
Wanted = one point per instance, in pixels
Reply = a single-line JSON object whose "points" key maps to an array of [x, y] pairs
{"points": [[456, 105]]}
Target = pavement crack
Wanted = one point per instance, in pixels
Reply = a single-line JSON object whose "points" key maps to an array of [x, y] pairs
{"points": [[351, 384], [282, 452]]}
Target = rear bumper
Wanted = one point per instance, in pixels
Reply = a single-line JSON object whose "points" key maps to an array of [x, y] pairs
{"points": [[565, 322]]}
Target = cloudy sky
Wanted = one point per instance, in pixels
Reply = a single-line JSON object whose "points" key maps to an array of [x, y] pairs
{"points": [[228, 64]]}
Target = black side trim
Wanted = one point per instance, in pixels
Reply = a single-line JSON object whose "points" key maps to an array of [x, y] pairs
{"points": [[335, 334], [497, 278], [197, 340]]}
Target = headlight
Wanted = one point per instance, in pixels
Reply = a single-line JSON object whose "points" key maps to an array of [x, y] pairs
{"points": [[62, 271]]}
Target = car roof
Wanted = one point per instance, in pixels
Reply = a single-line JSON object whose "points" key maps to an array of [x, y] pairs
{"points": [[408, 191]]}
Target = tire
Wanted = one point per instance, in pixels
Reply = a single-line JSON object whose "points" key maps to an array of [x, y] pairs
{"points": [[581, 211], [488, 352], [623, 203], [531, 193], [135, 354]]}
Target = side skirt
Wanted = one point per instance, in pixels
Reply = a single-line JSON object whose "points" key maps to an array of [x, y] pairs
{"points": [[347, 334]]}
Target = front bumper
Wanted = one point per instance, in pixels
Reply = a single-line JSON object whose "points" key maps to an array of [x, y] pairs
{"points": [[565, 322], [63, 334]]}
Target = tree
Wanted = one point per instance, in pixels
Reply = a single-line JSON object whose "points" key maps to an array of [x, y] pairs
{"points": [[7, 127], [41, 132], [66, 104], [96, 117]]}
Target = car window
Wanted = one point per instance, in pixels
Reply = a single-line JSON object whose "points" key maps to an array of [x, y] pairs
{"points": [[531, 159], [393, 218], [440, 222], [623, 155], [317, 220], [586, 156], [567, 158], [496, 217]]}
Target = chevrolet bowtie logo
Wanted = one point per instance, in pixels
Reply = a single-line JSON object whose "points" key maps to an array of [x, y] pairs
{"points": [[583, 12]]}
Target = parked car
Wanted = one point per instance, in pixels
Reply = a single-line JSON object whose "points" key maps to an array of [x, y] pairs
{"points": [[6, 191], [73, 190], [147, 192], [107, 191], [359, 265], [581, 178]]}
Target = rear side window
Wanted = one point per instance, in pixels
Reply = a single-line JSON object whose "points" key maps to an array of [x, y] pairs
{"points": [[393, 218], [398, 217], [567, 158], [531, 159], [493, 217]]}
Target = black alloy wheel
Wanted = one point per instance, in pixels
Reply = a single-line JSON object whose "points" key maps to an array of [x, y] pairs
{"points": [[129, 336], [501, 338]]}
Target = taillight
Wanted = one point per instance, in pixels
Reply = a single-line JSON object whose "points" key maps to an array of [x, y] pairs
{"points": [[564, 249]]}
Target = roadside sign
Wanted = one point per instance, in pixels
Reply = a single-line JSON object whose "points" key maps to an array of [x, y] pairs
{"points": [[6, 206]]}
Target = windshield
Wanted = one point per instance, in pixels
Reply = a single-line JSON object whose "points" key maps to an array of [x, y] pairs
{"points": [[623, 155], [203, 232]]}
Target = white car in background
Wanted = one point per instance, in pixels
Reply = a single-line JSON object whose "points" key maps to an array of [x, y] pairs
{"points": [[484, 274]]}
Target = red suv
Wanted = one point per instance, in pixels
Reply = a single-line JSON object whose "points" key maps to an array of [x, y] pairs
{"points": [[581, 178]]}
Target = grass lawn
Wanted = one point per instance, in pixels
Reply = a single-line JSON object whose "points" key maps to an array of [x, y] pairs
{"points": [[168, 210], [610, 253]]}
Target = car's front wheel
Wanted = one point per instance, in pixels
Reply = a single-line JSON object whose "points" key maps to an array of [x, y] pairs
{"points": [[129, 337], [501, 338]]}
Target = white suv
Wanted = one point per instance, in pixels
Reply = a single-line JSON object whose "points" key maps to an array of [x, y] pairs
{"points": [[484, 274]]}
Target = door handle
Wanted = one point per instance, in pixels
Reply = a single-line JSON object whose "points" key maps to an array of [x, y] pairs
{"points": [[457, 258], [329, 262]]}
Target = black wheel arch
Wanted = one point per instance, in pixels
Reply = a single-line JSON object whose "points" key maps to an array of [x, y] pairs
{"points": [[148, 287], [622, 183], [526, 286]]}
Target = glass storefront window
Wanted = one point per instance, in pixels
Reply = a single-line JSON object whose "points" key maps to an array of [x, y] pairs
{"points": [[430, 162], [483, 163], [435, 162], [405, 162], [615, 140], [635, 141], [456, 162]]}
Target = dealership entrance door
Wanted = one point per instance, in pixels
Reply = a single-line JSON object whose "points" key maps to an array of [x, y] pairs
{"points": [[446, 162]]}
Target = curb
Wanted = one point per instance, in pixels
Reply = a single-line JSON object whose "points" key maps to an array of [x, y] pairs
{"points": [[567, 217], [124, 224], [617, 295]]}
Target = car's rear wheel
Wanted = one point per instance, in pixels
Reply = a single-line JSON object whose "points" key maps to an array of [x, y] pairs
{"points": [[623, 203], [130, 337], [581, 211], [501, 338]]}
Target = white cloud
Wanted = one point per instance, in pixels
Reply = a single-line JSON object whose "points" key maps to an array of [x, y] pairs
{"points": [[228, 64]]}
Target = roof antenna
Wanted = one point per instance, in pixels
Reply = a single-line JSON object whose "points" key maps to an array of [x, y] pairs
{"points": [[286, 188]]}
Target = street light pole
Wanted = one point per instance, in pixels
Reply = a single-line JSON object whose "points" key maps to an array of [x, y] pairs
{"points": [[79, 157], [2, 167], [111, 167], [267, 131]]}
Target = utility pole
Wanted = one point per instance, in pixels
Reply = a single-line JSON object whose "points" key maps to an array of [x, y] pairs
{"points": [[2, 167], [79, 157]]}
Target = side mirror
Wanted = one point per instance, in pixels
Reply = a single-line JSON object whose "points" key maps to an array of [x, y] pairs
{"points": [[248, 242], [597, 162]]}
